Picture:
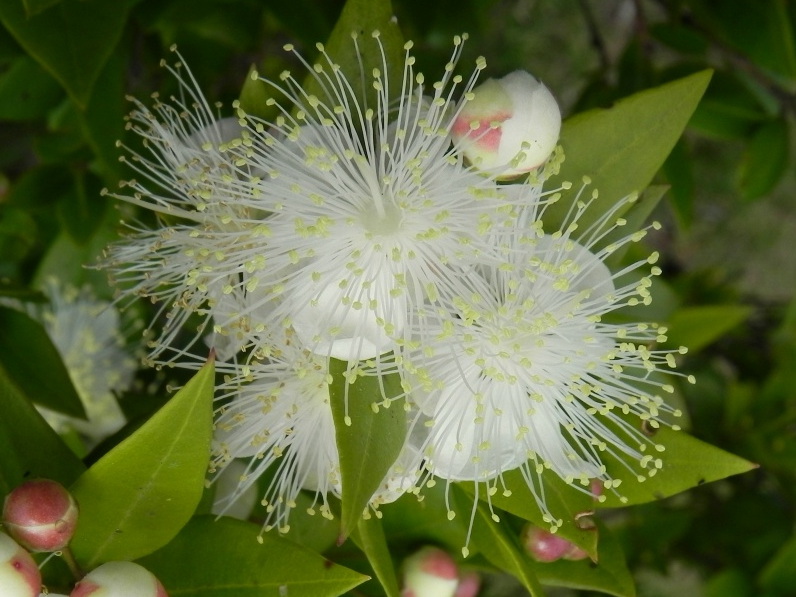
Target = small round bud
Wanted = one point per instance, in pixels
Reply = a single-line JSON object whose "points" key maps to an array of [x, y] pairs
{"points": [[544, 546], [430, 572], [41, 515], [19, 575], [119, 579], [509, 127]]}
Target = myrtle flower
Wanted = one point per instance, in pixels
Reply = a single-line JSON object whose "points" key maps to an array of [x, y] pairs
{"points": [[525, 373], [373, 213], [276, 414]]}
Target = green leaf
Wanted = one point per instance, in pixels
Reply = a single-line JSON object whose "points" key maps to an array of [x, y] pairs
{"points": [[369, 537], [621, 148], [679, 172], [609, 574], [729, 110], [636, 217], [71, 40], [27, 91], [29, 448], [696, 327], [33, 7], [765, 160], [363, 17], [221, 558], [138, 496], [562, 500], [686, 462], [368, 442], [25, 352], [779, 573], [499, 544]]}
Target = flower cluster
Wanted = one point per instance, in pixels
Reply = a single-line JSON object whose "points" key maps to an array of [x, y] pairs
{"points": [[376, 225]]}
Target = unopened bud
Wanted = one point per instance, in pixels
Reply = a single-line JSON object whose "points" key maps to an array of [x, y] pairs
{"points": [[119, 579], [510, 127], [41, 515], [469, 584], [544, 546], [430, 572], [19, 575]]}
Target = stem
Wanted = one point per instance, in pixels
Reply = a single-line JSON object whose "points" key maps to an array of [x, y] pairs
{"points": [[69, 558]]}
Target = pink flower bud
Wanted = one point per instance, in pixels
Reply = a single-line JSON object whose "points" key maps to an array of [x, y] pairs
{"points": [[119, 579], [509, 127], [544, 546], [430, 572], [41, 515], [19, 575], [469, 584]]}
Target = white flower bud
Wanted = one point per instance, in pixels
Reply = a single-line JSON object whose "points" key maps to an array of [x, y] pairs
{"points": [[41, 515], [510, 127], [119, 579], [19, 575], [430, 572]]}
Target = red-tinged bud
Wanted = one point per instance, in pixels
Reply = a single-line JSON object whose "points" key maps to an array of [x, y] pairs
{"points": [[509, 126], [469, 584], [19, 575], [430, 572], [41, 515], [544, 546], [119, 579]]}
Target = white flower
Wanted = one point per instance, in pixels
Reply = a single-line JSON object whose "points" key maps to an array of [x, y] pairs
{"points": [[277, 414], [524, 373]]}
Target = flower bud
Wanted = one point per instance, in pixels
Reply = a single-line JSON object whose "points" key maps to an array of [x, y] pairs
{"points": [[430, 572], [544, 546], [469, 584], [41, 515], [119, 579], [19, 575], [510, 126]]}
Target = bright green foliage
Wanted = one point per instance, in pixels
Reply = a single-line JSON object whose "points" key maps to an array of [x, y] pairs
{"points": [[369, 537], [138, 496], [221, 558], [685, 462], [696, 327], [368, 442], [621, 148]]}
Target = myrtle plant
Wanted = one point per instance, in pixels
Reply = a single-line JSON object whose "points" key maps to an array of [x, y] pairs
{"points": [[404, 317]]}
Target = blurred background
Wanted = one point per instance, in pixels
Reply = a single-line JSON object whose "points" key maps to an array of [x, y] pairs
{"points": [[727, 243]]}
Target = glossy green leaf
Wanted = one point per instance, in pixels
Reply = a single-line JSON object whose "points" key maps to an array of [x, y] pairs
{"points": [[621, 148], [29, 448], [26, 352], [765, 160], [138, 496], [678, 169], [499, 544], [368, 442], [33, 7], [71, 40], [686, 462], [27, 91], [609, 574], [222, 558], [362, 18], [696, 327], [369, 537], [563, 501]]}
